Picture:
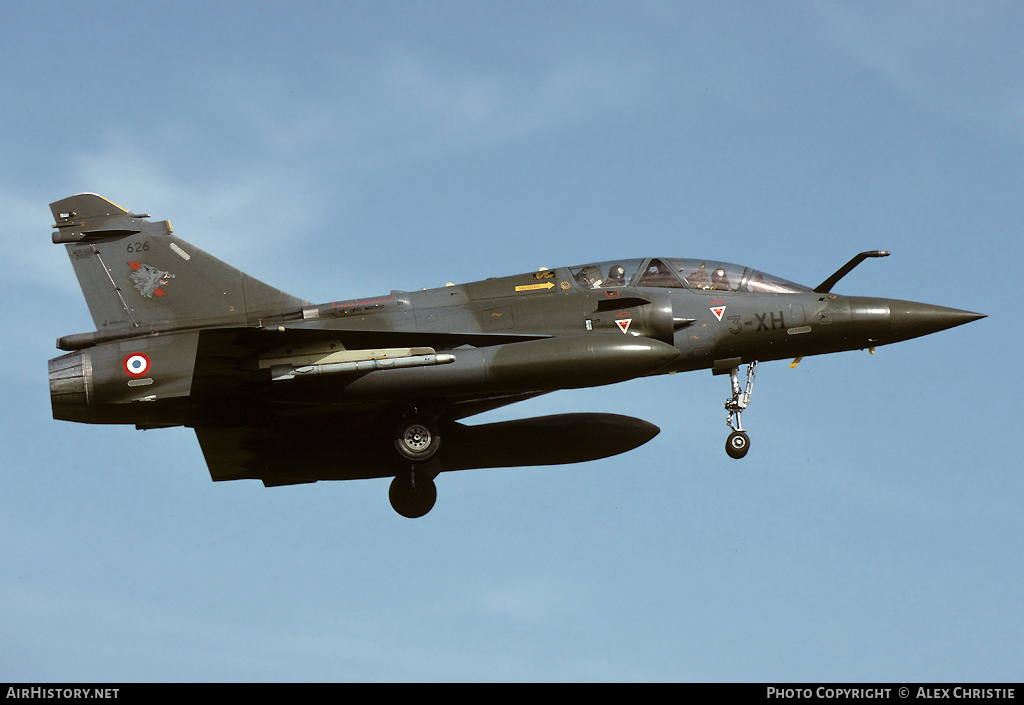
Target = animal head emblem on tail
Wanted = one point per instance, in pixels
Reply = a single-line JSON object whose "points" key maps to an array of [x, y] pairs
{"points": [[149, 280]]}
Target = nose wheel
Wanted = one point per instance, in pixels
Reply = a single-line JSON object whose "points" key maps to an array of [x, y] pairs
{"points": [[738, 442]]}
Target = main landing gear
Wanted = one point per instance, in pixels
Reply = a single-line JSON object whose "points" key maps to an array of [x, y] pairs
{"points": [[413, 493], [738, 442], [417, 439]]}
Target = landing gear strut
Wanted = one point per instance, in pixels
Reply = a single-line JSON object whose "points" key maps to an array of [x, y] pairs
{"points": [[738, 442]]}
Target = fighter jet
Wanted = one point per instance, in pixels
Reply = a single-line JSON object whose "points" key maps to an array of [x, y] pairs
{"points": [[286, 392]]}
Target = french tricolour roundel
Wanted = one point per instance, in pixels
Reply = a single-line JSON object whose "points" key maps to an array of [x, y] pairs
{"points": [[136, 364]]}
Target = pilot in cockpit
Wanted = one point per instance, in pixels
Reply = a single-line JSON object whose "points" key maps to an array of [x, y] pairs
{"points": [[616, 276], [719, 280]]}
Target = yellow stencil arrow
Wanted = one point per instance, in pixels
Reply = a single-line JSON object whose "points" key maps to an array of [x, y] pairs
{"points": [[535, 287]]}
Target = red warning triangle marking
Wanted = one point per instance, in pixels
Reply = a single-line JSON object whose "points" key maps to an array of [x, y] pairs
{"points": [[623, 323], [719, 311]]}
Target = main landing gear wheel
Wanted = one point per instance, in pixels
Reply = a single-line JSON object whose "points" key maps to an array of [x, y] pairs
{"points": [[416, 439], [737, 444], [412, 494]]}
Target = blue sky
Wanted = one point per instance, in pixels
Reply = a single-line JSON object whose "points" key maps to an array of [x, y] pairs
{"points": [[342, 149]]}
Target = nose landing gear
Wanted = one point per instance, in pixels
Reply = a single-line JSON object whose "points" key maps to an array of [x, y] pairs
{"points": [[738, 443]]}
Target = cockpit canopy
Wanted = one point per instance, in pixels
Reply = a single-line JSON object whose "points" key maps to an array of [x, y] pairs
{"points": [[705, 275]]}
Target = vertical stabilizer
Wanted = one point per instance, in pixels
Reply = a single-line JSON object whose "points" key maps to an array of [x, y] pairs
{"points": [[136, 275]]}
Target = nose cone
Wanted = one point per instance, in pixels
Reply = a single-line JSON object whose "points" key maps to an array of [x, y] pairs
{"points": [[908, 319]]}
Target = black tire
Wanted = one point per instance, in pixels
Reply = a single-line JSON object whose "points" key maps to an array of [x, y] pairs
{"points": [[737, 444], [416, 439], [412, 494]]}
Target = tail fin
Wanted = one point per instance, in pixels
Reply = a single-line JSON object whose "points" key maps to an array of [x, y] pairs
{"points": [[136, 275]]}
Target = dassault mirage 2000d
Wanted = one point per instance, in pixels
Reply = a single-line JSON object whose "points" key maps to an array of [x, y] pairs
{"points": [[287, 392]]}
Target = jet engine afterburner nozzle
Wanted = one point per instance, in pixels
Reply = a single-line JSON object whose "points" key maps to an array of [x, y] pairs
{"points": [[71, 387]]}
